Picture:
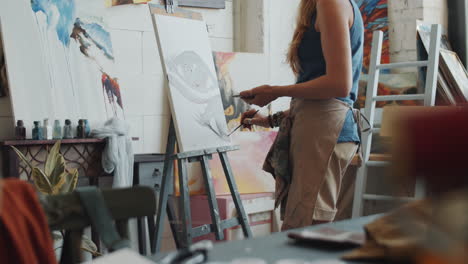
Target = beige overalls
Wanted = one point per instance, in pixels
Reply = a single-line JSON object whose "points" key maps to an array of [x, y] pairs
{"points": [[308, 164]]}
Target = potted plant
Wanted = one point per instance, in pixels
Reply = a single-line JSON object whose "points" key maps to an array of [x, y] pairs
{"points": [[55, 179]]}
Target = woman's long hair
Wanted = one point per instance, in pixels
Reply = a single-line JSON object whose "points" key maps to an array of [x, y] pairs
{"points": [[304, 21]]}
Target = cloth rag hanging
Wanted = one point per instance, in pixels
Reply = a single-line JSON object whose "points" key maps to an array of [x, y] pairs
{"points": [[117, 157]]}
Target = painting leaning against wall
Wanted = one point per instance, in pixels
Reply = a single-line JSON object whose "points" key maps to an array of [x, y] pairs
{"points": [[79, 56], [375, 17]]}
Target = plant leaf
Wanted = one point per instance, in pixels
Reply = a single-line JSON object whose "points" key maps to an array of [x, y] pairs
{"points": [[22, 157], [71, 179], [41, 181], [58, 186], [89, 246], [55, 164]]}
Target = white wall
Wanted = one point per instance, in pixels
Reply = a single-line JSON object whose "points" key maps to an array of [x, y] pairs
{"points": [[403, 15]]}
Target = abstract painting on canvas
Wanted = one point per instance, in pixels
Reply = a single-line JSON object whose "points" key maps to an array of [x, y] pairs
{"points": [[389, 84], [238, 72], [62, 63], [375, 16], [193, 86], [246, 166]]}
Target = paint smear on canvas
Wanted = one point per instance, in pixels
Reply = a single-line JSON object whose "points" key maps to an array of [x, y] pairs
{"points": [[375, 17], [246, 164]]}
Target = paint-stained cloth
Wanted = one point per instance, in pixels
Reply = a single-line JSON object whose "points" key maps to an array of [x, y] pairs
{"points": [[117, 157]]}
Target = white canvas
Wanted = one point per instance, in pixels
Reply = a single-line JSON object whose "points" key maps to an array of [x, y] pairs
{"points": [[193, 87]]}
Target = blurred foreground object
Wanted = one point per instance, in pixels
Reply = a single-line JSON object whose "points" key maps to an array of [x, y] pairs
{"points": [[429, 144], [420, 232], [24, 234]]}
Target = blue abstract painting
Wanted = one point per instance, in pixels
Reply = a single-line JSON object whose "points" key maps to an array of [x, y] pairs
{"points": [[79, 29]]}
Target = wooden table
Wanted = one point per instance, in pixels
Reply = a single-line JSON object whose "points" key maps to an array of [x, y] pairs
{"points": [[84, 154], [278, 246]]}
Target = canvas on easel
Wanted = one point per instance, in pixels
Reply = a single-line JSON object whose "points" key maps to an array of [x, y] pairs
{"points": [[193, 86]]}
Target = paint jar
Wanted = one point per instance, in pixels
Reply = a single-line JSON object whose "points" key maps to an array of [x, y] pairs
{"points": [[67, 130], [37, 131], [57, 130], [20, 130], [47, 130], [80, 129], [87, 128]]}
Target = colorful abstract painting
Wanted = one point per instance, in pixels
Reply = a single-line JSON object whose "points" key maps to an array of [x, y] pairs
{"points": [[62, 64], [389, 84], [124, 2], [78, 26], [375, 17], [246, 165], [238, 72]]}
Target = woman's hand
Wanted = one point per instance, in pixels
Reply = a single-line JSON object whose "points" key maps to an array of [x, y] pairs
{"points": [[249, 118], [260, 96]]}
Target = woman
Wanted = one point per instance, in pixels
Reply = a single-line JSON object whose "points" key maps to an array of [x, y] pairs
{"points": [[319, 134]]}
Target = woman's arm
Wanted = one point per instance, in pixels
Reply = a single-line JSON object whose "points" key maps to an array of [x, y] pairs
{"points": [[333, 22]]}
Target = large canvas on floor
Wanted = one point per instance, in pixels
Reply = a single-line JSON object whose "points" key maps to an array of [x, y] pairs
{"points": [[193, 86], [60, 60], [375, 17]]}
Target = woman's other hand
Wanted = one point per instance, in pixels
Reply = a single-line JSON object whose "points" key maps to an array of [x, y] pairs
{"points": [[249, 118], [261, 95]]}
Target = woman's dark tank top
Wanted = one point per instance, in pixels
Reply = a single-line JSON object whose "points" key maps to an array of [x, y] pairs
{"points": [[313, 65]]}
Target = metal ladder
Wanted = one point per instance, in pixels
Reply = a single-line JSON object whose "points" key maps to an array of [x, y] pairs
{"points": [[372, 98]]}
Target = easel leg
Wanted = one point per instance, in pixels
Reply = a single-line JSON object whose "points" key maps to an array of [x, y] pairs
{"points": [[172, 216], [214, 210], [167, 184], [184, 206], [235, 195]]}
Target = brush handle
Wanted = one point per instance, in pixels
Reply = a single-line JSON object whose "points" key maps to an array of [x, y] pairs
{"points": [[239, 96]]}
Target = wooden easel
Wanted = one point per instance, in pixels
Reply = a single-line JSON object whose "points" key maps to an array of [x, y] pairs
{"points": [[182, 230]]}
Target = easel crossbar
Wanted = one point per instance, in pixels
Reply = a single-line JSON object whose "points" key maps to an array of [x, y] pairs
{"points": [[199, 153], [209, 228]]}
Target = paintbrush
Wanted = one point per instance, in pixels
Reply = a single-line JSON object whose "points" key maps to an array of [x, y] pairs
{"points": [[243, 97], [241, 125]]}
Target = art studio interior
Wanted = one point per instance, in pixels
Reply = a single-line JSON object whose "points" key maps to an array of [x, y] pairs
{"points": [[233, 131]]}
